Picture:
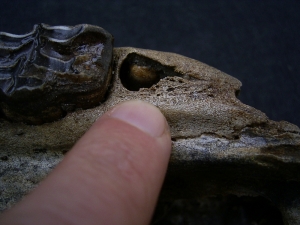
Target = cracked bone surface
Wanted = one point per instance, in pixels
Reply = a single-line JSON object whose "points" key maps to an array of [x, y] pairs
{"points": [[220, 145]]}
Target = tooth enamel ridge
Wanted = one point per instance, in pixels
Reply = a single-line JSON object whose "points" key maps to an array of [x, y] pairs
{"points": [[50, 67]]}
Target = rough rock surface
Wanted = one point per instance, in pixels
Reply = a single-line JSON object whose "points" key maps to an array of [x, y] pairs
{"points": [[221, 146]]}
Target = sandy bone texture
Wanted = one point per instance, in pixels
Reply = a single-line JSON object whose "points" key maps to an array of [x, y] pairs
{"points": [[220, 145]]}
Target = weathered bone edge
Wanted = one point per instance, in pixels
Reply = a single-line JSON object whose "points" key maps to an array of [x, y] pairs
{"points": [[53, 70], [220, 145]]}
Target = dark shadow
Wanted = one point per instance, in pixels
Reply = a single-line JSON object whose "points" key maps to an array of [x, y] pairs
{"points": [[228, 210]]}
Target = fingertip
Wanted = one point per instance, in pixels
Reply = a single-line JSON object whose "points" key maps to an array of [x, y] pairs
{"points": [[112, 175], [142, 115]]}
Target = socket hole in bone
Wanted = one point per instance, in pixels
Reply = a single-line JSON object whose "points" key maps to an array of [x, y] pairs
{"points": [[138, 72]]}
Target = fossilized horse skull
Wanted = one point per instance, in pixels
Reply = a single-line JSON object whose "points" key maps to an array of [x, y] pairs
{"points": [[220, 145]]}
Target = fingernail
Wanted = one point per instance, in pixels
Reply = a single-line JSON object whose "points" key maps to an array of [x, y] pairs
{"points": [[144, 116]]}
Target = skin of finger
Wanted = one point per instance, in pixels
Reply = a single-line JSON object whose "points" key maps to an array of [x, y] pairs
{"points": [[113, 175]]}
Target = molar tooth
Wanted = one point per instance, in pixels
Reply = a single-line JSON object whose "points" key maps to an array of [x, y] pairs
{"points": [[44, 59]]}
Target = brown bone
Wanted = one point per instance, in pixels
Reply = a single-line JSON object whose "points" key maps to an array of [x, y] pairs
{"points": [[220, 145]]}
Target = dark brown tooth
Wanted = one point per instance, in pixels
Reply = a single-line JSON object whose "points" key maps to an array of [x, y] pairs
{"points": [[53, 66]]}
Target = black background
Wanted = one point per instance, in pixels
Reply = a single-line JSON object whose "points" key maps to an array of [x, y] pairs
{"points": [[257, 42]]}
